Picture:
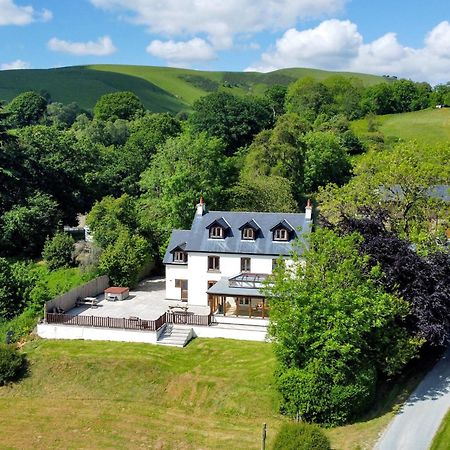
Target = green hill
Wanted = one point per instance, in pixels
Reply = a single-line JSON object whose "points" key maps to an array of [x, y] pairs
{"points": [[429, 126], [159, 88]]}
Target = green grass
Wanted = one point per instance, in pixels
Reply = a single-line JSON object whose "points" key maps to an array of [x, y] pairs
{"points": [[159, 88], [213, 394], [442, 439], [430, 126]]}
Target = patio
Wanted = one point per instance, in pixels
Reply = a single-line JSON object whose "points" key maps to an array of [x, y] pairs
{"points": [[147, 302]]}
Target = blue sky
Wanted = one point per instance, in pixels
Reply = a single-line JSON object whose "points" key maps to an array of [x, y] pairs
{"points": [[404, 38]]}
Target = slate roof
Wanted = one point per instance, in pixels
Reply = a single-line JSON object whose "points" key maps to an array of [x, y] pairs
{"points": [[197, 238]]}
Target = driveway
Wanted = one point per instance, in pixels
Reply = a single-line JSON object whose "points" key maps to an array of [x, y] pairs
{"points": [[414, 427]]}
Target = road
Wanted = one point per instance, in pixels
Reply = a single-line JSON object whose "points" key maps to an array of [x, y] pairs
{"points": [[414, 427]]}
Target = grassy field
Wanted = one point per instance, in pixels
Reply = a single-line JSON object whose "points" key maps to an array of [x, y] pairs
{"points": [[429, 126], [214, 394], [442, 439], [159, 88]]}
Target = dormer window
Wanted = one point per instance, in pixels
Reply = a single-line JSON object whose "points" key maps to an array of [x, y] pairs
{"points": [[280, 234], [216, 233], [250, 231], [180, 256], [248, 234], [218, 229]]}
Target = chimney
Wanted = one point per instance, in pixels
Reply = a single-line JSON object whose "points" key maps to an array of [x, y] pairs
{"points": [[308, 210], [201, 207]]}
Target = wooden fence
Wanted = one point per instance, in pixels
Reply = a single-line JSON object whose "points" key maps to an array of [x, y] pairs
{"points": [[128, 324]]}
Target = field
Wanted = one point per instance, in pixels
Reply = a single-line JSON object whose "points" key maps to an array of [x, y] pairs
{"points": [[214, 394], [430, 126], [160, 88], [442, 438]]}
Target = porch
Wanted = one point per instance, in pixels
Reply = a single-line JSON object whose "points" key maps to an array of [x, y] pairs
{"points": [[239, 296]]}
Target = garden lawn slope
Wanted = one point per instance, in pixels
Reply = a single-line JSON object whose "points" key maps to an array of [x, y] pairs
{"points": [[430, 126], [213, 394], [160, 88]]}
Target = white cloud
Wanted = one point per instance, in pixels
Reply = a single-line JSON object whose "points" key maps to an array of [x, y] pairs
{"points": [[182, 53], [219, 20], [17, 64], [338, 45], [12, 14], [102, 47]]}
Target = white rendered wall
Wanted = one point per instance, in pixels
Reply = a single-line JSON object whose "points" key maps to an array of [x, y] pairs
{"points": [[230, 265], [175, 272], [51, 331]]}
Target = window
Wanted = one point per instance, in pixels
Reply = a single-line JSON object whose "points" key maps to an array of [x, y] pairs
{"points": [[244, 301], [245, 264], [216, 233], [213, 263], [280, 234], [211, 284], [180, 256], [277, 263], [248, 234], [177, 283]]}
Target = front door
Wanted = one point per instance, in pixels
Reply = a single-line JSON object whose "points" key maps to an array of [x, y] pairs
{"points": [[184, 290]]}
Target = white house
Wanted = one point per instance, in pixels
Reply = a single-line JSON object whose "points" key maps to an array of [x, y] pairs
{"points": [[223, 259]]}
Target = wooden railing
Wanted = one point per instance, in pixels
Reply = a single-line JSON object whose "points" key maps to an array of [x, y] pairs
{"points": [[106, 322], [186, 318], [133, 323]]}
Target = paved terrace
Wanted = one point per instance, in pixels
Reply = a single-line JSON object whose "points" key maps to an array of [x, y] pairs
{"points": [[148, 302]]}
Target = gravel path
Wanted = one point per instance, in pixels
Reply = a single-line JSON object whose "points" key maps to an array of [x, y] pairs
{"points": [[414, 427]]}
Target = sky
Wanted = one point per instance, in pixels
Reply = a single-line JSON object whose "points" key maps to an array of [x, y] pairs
{"points": [[405, 38]]}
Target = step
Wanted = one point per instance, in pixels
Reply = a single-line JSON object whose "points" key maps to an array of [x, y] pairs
{"points": [[174, 336]]}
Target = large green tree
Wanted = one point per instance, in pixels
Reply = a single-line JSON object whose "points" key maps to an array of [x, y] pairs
{"points": [[118, 105], [183, 169], [26, 109], [233, 119], [409, 180], [334, 330]]}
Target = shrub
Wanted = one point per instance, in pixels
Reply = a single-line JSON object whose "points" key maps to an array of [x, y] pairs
{"points": [[11, 363], [301, 436], [325, 394], [58, 251]]}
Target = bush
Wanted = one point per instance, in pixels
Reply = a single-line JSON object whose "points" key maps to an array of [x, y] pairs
{"points": [[325, 394], [58, 251], [11, 363], [301, 436]]}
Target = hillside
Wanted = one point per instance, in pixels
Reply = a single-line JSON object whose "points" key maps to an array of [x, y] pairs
{"points": [[160, 88], [429, 126], [213, 394]]}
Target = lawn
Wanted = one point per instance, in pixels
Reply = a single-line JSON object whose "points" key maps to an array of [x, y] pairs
{"points": [[213, 394], [442, 439], [430, 126]]}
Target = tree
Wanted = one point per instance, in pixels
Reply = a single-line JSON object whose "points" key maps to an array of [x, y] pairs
{"points": [[62, 116], [118, 105], [124, 259], [404, 180], [58, 251], [110, 216], [276, 98], [334, 330], [308, 98], [263, 193], [421, 281], [279, 152], [26, 109], [346, 93], [326, 161], [233, 119], [26, 226], [183, 169]]}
